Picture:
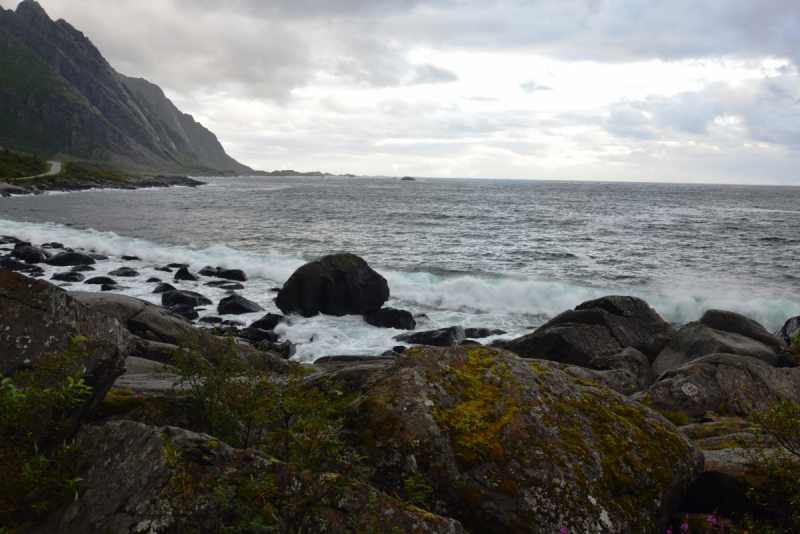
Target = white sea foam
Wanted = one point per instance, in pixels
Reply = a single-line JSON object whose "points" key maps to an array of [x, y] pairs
{"points": [[508, 304]]}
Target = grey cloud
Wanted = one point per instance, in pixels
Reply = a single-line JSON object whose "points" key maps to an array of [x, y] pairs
{"points": [[531, 86], [625, 120], [431, 74]]}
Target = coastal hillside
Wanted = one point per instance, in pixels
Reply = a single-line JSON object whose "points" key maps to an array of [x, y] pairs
{"points": [[60, 98]]}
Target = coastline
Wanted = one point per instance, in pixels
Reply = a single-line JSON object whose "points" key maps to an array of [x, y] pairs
{"points": [[47, 184]]}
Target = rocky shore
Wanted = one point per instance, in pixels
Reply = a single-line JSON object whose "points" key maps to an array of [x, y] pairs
{"points": [[569, 427], [38, 186]]}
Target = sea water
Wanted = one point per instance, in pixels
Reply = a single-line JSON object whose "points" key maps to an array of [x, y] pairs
{"points": [[478, 253]]}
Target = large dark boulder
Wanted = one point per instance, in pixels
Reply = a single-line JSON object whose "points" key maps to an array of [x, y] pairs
{"points": [[443, 337], [236, 305], [631, 361], [70, 259], [185, 482], [30, 254], [790, 329], [726, 321], [515, 445], [478, 333], [268, 322], [391, 318], [100, 280], [190, 298], [38, 318], [236, 275], [163, 287], [339, 284], [695, 340], [68, 276], [726, 384], [595, 328], [125, 272], [82, 269], [184, 274], [7, 262]]}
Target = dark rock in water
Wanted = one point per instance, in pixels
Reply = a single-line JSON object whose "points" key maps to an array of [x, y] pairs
{"points": [[98, 257], [178, 265], [97, 280], [207, 271], [163, 269], [184, 274], [153, 280], [70, 259], [399, 349], [232, 274], [268, 322], [656, 344], [82, 269], [589, 438], [735, 323], [339, 284], [630, 361], [53, 245], [237, 304], [124, 272], [163, 287], [468, 342], [190, 298], [499, 343], [790, 329], [256, 335], [390, 353], [285, 350], [211, 320], [9, 240], [232, 322], [391, 318], [112, 287], [68, 277], [185, 311], [695, 340], [722, 383], [407, 179], [571, 343], [275, 289], [36, 272], [444, 337], [7, 262], [479, 333], [131, 258], [30, 254], [22, 244], [231, 286]]}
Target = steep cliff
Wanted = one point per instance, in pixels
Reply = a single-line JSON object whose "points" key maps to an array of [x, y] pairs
{"points": [[59, 96]]}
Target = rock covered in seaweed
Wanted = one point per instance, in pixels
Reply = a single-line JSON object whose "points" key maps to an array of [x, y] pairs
{"points": [[514, 445]]}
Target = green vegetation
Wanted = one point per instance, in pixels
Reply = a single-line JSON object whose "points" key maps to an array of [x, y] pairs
{"points": [[79, 172], [15, 165], [37, 471]]}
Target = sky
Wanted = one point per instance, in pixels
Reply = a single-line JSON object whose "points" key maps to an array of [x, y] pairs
{"points": [[625, 90]]}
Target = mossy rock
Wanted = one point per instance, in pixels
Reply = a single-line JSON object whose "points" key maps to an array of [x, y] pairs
{"points": [[513, 445]]}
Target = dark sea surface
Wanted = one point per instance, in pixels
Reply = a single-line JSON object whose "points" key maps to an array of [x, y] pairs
{"points": [[496, 253]]}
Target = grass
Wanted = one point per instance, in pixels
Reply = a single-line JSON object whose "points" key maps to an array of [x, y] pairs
{"points": [[15, 165]]}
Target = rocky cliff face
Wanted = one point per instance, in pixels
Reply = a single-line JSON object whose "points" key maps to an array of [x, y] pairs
{"points": [[59, 95]]}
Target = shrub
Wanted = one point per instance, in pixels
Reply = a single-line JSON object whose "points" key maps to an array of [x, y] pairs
{"points": [[36, 468]]}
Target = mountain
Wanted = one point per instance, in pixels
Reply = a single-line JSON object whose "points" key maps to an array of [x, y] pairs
{"points": [[60, 98]]}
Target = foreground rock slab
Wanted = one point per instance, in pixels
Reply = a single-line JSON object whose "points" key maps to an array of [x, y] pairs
{"points": [[514, 445]]}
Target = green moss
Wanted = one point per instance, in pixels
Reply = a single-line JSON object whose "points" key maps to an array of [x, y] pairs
{"points": [[677, 418]]}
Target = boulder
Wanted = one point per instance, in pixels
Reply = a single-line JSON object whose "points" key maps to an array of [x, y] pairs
{"points": [[479, 333], [163, 287], [190, 298], [82, 269], [100, 280], [722, 383], [268, 322], [236, 305], [630, 360], [352, 372], [30, 254], [184, 274], [131, 258], [183, 480], [155, 351], [124, 272], [734, 323], [7, 262], [444, 337], [232, 274], [620, 380], [153, 280], [339, 284], [572, 343], [790, 329], [112, 287], [257, 335], [163, 269], [98, 257], [210, 319], [695, 340], [38, 318], [53, 245], [285, 350], [185, 311], [233, 286], [70, 259], [177, 265], [391, 318], [68, 277], [514, 445], [207, 271]]}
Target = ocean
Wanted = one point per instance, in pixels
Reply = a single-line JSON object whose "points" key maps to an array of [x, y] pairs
{"points": [[499, 254]]}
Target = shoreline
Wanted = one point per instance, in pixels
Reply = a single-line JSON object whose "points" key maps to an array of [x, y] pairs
{"points": [[39, 186]]}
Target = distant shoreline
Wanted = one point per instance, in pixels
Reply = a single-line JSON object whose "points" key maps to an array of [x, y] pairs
{"points": [[38, 186]]}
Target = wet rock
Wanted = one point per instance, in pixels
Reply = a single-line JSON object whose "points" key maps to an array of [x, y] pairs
{"points": [[726, 384], [211, 320], [390, 353], [99, 280], [30, 254], [444, 337], [232, 274], [256, 335], [7, 262], [571, 343], [185, 311], [734, 323], [98, 257], [285, 350], [82, 269], [177, 265], [468, 342], [268, 322], [339, 284], [153, 280], [237, 304], [532, 431], [184, 274], [70, 259], [352, 372], [695, 340], [9, 240], [53, 245], [112, 287], [630, 360], [499, 343], [124, 272], [480, 333], [36, 271], [391, 318], [163, 269], [155, 351], [207, 271], [190, 298], [68, 277], [131, 258], [232, 286], [399, 349], [790, 329], [164, 287]]}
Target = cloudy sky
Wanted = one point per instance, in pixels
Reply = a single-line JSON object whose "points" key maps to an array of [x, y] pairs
{"points": [[634, 90]]}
